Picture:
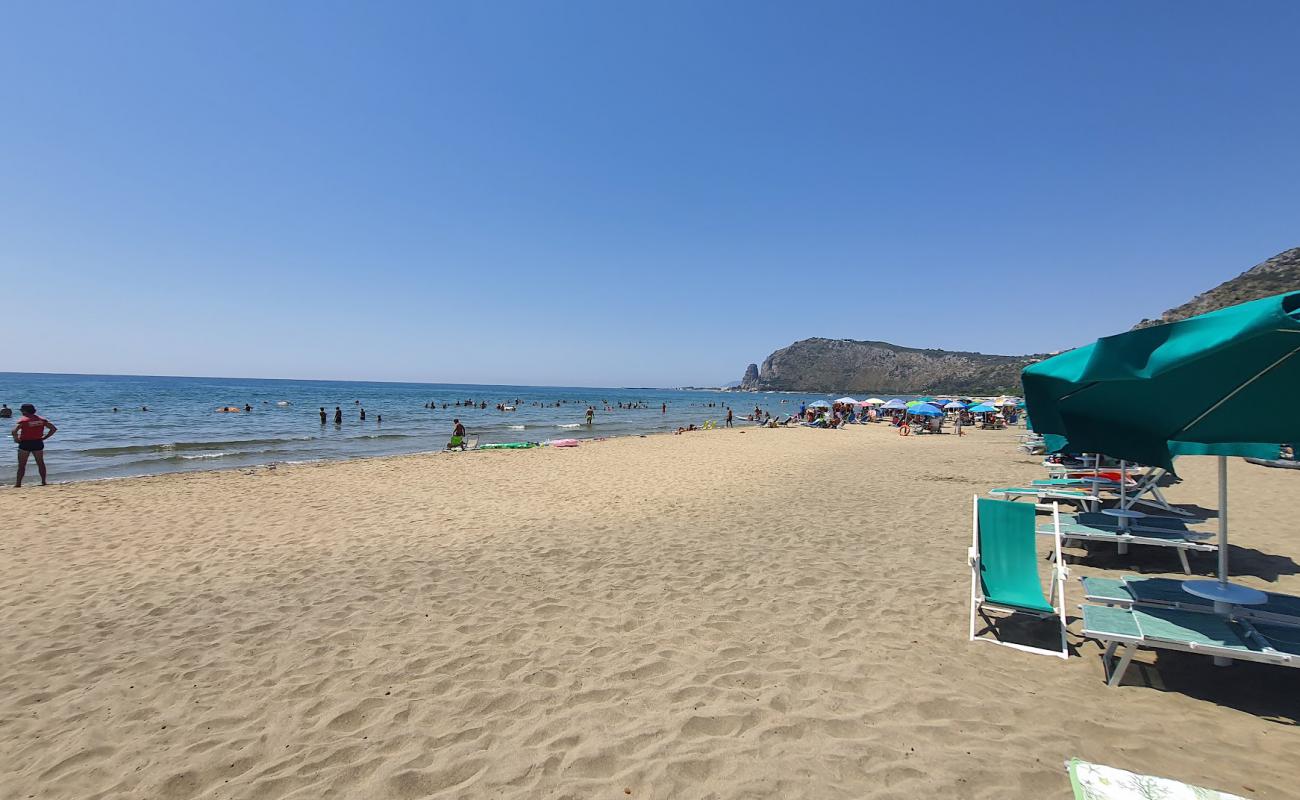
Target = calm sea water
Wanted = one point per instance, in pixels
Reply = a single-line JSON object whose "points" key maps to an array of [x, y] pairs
{"points": [[183, 431]]}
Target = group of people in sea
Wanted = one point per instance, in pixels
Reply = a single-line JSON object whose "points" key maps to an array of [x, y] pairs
{"points": [[338, 415]]}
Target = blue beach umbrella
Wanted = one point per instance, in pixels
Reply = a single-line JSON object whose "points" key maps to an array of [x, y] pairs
{"points": [[982, 408], [895, 405], [819, 404], [955, 405], [925, 410]]}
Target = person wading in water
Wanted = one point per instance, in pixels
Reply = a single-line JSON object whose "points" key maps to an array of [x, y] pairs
{"points": [[30, 433]]}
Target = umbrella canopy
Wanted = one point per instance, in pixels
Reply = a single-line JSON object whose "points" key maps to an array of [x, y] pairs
{"points": [[848, 400], [954, 405], [895, 404], [1178, 389], [819, 404], [873, 401], [926, 399], [925, 410], [911, 403], [982, 408]]}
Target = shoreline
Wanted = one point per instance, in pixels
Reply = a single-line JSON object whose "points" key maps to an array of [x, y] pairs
{"points": [[31, 471]]}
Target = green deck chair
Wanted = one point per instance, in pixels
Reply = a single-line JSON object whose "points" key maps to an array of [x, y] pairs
{"points": [[1004, 569]]}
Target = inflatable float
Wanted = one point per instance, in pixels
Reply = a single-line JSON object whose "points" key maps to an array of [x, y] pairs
{"points": [[564, 443], [508, 446]]}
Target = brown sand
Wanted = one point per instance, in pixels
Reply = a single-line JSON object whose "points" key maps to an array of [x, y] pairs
{"points": [[716, 615]]}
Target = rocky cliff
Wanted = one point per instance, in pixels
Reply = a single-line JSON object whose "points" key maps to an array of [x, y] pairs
{"points": [[846, 365], [1281, 273]]}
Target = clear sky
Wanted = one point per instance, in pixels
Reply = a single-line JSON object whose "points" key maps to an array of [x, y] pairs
{"points": [[618, 193]]}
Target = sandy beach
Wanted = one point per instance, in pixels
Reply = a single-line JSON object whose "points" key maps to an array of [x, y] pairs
{"points": [[732, 614]]}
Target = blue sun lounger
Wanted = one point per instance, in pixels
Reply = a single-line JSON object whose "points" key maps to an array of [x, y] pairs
{"points": [[1188, 632], [1155, 532], [1129, 591]]}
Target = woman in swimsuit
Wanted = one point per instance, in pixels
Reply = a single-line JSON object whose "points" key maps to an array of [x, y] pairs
{"points": [[30, 433]]}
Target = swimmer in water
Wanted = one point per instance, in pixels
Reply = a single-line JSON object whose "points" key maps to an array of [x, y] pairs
{"points": [[322, 415]]}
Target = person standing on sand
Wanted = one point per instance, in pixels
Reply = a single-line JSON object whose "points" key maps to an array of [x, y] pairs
{"points": [[322, 415], [30, 433], [338, 415]]}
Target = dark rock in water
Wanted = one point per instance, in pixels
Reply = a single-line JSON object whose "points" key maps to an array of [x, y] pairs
{"points": [[750, 381], [846, 365], [1279, 274]]}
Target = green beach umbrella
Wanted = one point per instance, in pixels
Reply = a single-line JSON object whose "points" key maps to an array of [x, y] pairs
{"points": [[1186, 388], [911, 403]]}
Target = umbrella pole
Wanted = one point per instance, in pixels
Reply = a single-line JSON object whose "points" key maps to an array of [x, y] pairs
{"points": [[1223, 519]]}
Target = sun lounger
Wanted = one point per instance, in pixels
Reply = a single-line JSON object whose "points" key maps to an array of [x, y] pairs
{"points": [[1004, 570], [1187, 632], [1044, 494], [1100, 528], [1098, 782], [1128, 591]]}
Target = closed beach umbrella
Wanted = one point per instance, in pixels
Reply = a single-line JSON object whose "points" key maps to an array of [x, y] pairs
{"points": [[1185, 388]]}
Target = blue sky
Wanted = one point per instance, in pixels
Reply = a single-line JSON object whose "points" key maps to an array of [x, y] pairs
{"points": [[606, 193]]}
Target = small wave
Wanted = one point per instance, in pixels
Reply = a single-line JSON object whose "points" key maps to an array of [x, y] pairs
{"points": [[515, 427], [569, 425], [172, 447], [205, 455]]}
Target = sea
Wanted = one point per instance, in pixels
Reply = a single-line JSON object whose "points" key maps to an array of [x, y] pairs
{"points": [[105, 430]]}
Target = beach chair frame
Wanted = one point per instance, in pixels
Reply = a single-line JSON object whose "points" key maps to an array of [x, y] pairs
{"points": [[1135, 535], [1113, 640], [1055, 593]]}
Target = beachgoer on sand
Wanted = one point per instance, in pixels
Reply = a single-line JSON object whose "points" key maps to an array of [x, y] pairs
{"points": [[30, 434]]}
